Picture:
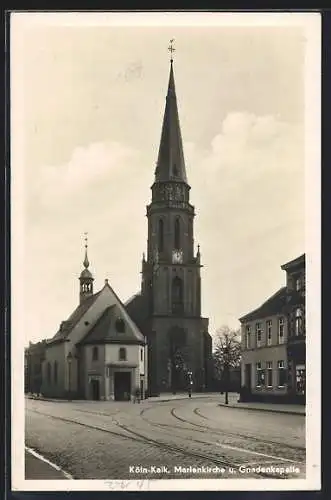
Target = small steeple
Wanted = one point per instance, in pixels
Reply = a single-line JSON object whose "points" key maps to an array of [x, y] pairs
{"points": [[171, 163], [198, 257], [86, 279]]}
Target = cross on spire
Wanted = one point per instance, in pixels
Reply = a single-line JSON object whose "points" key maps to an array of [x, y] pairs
{"points": [[171, 49]]}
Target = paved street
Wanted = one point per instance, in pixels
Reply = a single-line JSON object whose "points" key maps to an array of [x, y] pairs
{"points": [[153, 440]]}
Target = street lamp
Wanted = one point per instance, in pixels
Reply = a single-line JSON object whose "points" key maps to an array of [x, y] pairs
{"points": [[190, 382], [69, 359]]}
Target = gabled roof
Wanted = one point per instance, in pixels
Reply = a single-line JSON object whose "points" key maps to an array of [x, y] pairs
{"points": [[67, 326], [274, 305], [298, 262], [170, 163], [137, 308], [104, 330]]}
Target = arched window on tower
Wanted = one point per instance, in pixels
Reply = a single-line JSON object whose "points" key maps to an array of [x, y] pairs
{"points": [[177, 234], [177, 296], [161, 235]]}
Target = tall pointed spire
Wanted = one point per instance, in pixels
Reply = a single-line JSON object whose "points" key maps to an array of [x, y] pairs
{"points": [[171, 163]]}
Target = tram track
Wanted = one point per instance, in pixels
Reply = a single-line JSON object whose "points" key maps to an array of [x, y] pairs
{"points": [[136, 436], [202, 429]]}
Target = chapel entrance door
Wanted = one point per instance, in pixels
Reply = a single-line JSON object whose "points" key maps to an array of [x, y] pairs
{"points": [[95, 385], [122, 386]]}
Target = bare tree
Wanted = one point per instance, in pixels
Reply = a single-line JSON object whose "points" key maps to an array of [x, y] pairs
{"points": [[227, 355]]}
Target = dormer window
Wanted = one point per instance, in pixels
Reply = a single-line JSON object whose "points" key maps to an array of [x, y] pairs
{"points": [[120, 325]]}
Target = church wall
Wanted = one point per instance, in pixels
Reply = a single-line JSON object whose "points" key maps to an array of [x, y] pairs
{"points": [[54, 353], [132, 358], [193, 351], [94, 368]]}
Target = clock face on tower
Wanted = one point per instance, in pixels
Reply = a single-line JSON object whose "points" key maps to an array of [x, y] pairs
{"points": [[177, 256]]}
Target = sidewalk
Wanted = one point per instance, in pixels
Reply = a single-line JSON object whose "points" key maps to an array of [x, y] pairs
{"points": [[36, 468], [170, 397], [290, 409], [153, 399]]}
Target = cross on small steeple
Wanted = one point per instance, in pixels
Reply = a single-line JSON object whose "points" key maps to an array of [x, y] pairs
{"points": [[171, 48]]}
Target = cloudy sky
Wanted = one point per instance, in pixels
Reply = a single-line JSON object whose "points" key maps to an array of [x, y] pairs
{"points": [[89, 102]]}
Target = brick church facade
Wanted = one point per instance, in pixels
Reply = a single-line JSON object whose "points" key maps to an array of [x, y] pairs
{"points": [[168, 308]]}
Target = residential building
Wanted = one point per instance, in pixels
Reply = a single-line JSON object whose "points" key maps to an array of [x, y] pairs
{"points": [[273, 342], [34, 356], [296, 318]]}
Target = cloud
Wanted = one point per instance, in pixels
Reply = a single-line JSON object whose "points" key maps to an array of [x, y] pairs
{"points": [[87, 166], [248, 189]]}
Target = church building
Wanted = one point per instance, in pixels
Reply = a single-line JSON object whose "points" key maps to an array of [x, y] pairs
{"points": [[157, 341], [98, 352], [168, 308]]}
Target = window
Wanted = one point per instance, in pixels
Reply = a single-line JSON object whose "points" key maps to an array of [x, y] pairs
{"points": [[177, 295], [258, 330], [269, 373], [259, 375], [122, 354], [141, 354], [161, 235], [95, 354], [281, 331], [49, 373], [248, 337], [298, 284], [269, 332], [120, 325], [281, 374], [300, 373], [55, 372], [177, 234], [298, 321]]}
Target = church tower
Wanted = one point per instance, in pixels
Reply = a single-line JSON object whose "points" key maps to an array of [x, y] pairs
{"points": [[179, 343], [86, 279]]}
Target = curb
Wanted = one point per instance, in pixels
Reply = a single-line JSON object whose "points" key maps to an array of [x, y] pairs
{"points": [[285, 412], [37, 465], [147, 399]]}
